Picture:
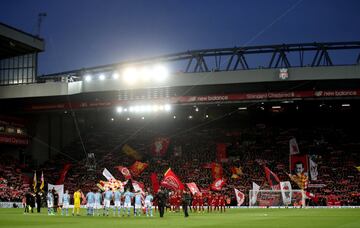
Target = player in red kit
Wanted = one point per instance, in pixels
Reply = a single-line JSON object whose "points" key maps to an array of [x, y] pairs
{"points": [[200, 202], [222, 202], [216, 202], [209, 202], [195, 202]]}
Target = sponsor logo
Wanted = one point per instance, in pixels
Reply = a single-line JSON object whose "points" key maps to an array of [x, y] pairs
{"points": [[283, 74]]}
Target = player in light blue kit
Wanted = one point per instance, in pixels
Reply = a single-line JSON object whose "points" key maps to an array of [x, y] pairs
{"points": [[50, 202], [97, 205], [127, 202], [148, 204], [138, 203], [90, 201], [108, 195], [66, 203], [117, 201]]}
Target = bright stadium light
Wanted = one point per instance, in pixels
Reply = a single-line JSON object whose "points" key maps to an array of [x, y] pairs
{"points": [[119, 109], [88, 78], [142, 118], [146, 74], [102, 77], [130, 75], [160, 73], [167, 107], [190, 117], [174, 117], [115, 75], [128, 118]]}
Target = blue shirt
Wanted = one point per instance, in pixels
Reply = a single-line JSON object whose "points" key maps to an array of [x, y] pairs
{"points": [[66, 198], [117, 196], [108, 195], [138, 199], [128, 196], [50, 197], [90, 197], [98, 197], [149, 198]]}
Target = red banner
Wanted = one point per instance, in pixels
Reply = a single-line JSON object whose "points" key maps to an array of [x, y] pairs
{"points": [[13, 140], [193, 188], [160, 146], [216, 170], [155, 182], [218, 184], [63, 174], [138, 167], [124, 171], [272, 179], [171, 181], [221, 152]]}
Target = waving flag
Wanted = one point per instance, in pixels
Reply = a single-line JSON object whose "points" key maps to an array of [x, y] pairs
{"points": [[106, 173], [160, 146], [216, 170], [129, 151], [358, 168], [286, 192], [171, 181], [63, 173], [155, 182], [138, 167], [124, 171], [272, 179], [221, 152], [255, 188], [313, 169], [42, 181], [138, 187], [293, 146], [193, 188], [35, 182], [240, 197], [236, 172], [218, 184]]}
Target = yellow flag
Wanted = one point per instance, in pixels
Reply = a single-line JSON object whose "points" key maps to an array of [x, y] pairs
{"points": [[358, 168], [131, 152], [35, 182], [42, 181]]}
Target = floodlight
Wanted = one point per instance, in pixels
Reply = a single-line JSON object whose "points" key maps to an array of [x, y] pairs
{"points": [[115, 75], [167, 107], [160, 73], [130, 75], [88, 78], [119, 109], [102, 77]]}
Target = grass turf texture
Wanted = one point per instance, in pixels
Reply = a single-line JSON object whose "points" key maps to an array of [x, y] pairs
{"points": [[290, 218]]}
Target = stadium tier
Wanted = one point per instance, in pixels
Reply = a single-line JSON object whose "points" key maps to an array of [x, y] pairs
{"points": [[275, 136]]}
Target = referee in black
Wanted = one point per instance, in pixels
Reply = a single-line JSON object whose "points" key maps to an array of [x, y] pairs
{"points": [[186, 199], [161, 199]]}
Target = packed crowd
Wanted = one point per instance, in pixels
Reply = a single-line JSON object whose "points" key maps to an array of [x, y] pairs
{"points": [[190, 153]]}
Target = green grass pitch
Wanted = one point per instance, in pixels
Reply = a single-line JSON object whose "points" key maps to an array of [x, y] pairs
{"points": [[289, 218]]}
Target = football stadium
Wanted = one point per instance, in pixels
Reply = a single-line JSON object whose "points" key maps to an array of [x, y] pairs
{"points": [[248, 136]]}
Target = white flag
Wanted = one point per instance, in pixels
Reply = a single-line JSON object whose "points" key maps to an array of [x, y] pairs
{"points": [[286, 192], [240, 197], [255, 191], [313, 170], [59, 189], [294, 149], [108, 175], [137, 187]]}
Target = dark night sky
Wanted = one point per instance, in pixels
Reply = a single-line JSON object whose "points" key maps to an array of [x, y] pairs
{"points": [[81, 33]]}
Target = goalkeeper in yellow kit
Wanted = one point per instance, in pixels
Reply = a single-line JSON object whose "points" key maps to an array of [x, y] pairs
{"points": [[77, 202]]}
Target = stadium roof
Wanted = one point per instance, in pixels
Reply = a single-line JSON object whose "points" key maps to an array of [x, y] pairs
{"points": [[14, 42]]}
